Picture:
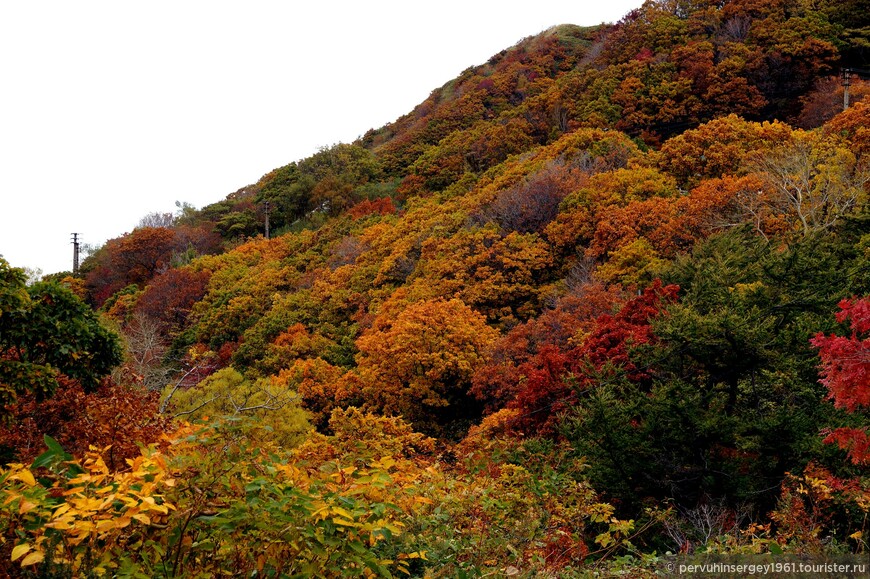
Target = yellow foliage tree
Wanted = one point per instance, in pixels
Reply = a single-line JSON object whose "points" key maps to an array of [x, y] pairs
{"points": [[266, 406], [500, 276], [634, 264], [813, 180]]}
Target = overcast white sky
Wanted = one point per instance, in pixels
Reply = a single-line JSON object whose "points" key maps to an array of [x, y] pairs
{"points": [[110, 110]]}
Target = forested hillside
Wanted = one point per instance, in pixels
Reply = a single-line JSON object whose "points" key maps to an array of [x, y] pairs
{"points": [[597, 303]]}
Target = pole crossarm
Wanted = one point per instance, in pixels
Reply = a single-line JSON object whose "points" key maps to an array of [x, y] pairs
{"points": [[851, 72]]}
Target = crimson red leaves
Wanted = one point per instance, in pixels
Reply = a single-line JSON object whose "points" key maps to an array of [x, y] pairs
{"points": [[846, 373], [548, 381]]}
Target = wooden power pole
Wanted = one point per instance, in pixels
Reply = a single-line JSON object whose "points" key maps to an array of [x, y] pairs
{"points": [[848, 75], [847, 82], [75, 244]]}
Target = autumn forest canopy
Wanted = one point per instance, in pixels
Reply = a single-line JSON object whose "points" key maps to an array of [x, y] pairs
{"points": [[599, 302]]}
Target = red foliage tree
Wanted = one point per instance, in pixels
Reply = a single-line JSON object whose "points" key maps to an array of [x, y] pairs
{"points": [[170, 296], [547, 389], [138, 256], [846, 373], [530, 346]]}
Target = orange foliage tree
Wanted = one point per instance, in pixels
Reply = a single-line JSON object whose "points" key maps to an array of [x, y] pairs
{"points": [[854, 125], [717, 148], [674, 224], [499, 276], [582, 210], [420, 363]]}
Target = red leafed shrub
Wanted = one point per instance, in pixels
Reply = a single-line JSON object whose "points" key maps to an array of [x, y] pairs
{"points": [[114, 415], [615, 334], [381, 206], [544, 393]]}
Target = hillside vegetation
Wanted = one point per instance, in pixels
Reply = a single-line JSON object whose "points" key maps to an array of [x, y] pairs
{"points": [[600, 302]]}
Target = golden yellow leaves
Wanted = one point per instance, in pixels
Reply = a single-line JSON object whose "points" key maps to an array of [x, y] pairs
{"points": [[22, 474], [32, 558], [91, 503]]}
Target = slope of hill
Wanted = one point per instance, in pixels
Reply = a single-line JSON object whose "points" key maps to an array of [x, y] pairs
{"points": [[602, 271]]}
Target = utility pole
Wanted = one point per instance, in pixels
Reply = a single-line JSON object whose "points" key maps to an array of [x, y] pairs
{"points": [[75, 244], [847, 82], [267, 219], [848, 75]]}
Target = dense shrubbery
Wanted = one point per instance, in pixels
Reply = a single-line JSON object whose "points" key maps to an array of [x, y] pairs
{"points": [[369, 499]]}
